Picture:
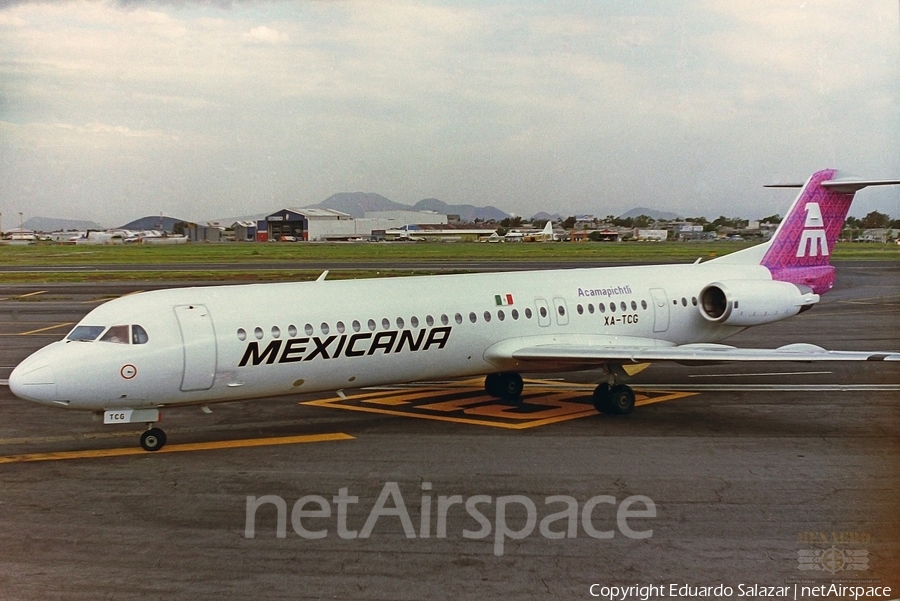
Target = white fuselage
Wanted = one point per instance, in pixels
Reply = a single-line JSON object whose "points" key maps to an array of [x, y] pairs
{"points": [[221, 343]]}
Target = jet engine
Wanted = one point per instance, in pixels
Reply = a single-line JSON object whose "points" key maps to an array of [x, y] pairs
{"points": [[754, 302]]}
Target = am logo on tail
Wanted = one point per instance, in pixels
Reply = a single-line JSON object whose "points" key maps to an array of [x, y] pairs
{"points": [[194, 346]]}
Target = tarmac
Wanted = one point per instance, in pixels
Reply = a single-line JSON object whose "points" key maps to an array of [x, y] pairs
{"points": [[772, 474]]}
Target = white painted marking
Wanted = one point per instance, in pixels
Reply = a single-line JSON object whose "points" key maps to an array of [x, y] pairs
{"points": [[771, 373], [773, 387]]}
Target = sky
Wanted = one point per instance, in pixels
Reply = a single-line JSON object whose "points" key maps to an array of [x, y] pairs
{"points": [[113, 110]]}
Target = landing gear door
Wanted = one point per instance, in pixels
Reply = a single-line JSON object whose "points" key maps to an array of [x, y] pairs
{"points": [[199, 343], [660, 310]]}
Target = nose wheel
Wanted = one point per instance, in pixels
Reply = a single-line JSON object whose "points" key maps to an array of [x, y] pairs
{"points": [[153, 439]]}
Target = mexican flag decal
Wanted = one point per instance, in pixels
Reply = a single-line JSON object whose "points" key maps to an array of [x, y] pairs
{"points": [[503, 300]]}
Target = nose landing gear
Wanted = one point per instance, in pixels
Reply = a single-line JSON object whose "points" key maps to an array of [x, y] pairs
{"points": [[153, 439]]}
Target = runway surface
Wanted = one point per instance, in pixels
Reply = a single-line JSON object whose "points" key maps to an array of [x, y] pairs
{"points": [[767, 474]]}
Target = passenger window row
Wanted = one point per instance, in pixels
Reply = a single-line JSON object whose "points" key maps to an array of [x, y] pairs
{"points": [[684, 301], [371, 325], [602, 308]]}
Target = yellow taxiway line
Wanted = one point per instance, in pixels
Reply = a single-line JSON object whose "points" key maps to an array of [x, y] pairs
{"points": [[176, 448], [59, 325]]}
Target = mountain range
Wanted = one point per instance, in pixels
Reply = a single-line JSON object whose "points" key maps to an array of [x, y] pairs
{"points": [[50, 224], [651, 213], [357, 204]]}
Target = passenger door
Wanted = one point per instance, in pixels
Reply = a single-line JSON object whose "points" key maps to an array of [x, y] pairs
{"points": [[199, 343]]}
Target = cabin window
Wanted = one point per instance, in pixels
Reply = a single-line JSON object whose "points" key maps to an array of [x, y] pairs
{"points": [[472, 317], [371, 325], [292, 331], [561, 310], [400, 323], [633, 306], [258, 333], [324, 327], [543, 311], [683, 302], [694, 300], [308, 329], [116, 334], [429, 320], [501, 315], [528, 312], [444, 319], [356, 326], [487, 316], [458, 318], [623, 306], [385, 323], [276, 332], [414, 322], [241, 333], [602, 307], [515, 314], [580, 310], [341, 328], [590, 308], [643, 304], [612, 307], [138, 335]]}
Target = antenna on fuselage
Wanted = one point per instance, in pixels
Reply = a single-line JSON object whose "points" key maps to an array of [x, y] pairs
{"points": [[321, 278]]}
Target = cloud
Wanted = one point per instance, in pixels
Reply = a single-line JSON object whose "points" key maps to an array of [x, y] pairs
{"points": [[685, 105], [266, 35]]}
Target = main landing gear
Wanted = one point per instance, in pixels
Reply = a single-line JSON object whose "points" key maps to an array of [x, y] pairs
{"points": [[507, 386], [617, 399], [153, 439], [613, 400]]}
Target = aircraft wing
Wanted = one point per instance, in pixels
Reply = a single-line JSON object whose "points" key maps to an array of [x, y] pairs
{"points": [[689, 353]]}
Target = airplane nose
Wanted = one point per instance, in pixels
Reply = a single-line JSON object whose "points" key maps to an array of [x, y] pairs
{"points": [[33, 380]]}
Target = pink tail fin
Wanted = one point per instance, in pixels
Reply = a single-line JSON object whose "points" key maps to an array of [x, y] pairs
{"points": [[801, 247]]}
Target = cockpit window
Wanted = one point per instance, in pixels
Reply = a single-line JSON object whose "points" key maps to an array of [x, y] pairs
{"points": [[118, 334], [85, 333], [138, 335]]}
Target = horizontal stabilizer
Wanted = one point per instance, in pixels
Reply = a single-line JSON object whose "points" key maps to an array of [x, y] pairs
{"points": [[844, 185], [847, 185]]}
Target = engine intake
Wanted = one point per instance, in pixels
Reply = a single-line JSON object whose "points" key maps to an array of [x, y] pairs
{"points": [[754, 302]]}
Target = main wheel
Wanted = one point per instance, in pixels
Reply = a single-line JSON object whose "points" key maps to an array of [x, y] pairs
{"points": [[510, 386], [621, 400], [601, 398], [490, 384], [153, 439]]}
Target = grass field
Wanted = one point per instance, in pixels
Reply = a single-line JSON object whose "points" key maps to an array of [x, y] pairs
{"points": [[242, 257]]}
